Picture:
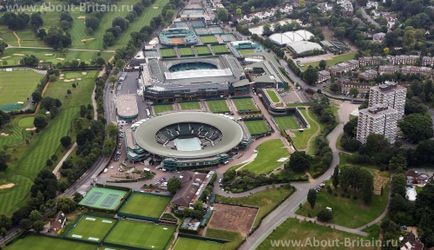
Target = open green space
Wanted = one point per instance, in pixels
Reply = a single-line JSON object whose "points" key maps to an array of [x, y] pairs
{"points": [[30, 153], [189, 105], [218, 106], [234, 239], [103, 198], [140, 235], [147, 205], [245, 104], [286, 122], [167, 53], [26, 122], [335, 60], [184, 243], [185, 52], [161, 108], [257, 127], [273, 95], [271, 154], [266, 200], [91, 228], [303, 139], [219, 49], [17, 85], [303, 233], [202, 50], [208, 39], [34, 242]]}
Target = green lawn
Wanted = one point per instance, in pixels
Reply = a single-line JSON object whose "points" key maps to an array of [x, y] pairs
{"points": [[299, 233], [140, 234], [18, 85], [146, 205], [184, 243], [269, 154], [273, 95], [91, 228], [208, 39], [286, 122], [266, 200], [304, 140], [26, 122], [167, 53], [335, 60], [185, 52], [202, 50], [220, 49], [245, 104], [34, 242], [257, 127], [218, 106], [158, 109], [189, 105], [245, 52], [234, 238]]}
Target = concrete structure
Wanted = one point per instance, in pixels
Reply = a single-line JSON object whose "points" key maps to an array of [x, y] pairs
{"points": [[404, 60], [126, 107], [368, 75], [323, 75], [378, 119], [388, 69], [344, 67], [390, 94], [428, 61], [371, 61]]}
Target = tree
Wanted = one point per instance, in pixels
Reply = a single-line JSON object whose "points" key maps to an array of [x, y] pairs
{"points": [[3, 46], [222, 14], [354, 92], [350, 128], [335, 177], [35, 215], [36, 96], [398, 162], [322, 64], [173, 185], [311, 197], [300, 161], [325, 215], [120, 22], [4, 157], [66, 141], [29, 61], [310, 75], [416, 127], [40, 121], [4, 118], [335, 87], [36, 20]]}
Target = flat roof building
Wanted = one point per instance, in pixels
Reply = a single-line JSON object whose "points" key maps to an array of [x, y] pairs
{"points": [[390, 94], [378, 119], [126, 107]]}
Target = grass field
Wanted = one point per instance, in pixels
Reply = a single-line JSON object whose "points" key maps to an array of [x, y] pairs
{"points": [[218, 106], [304, 140], [26, 122], [234, 238], [146, 205], [266, 200], [167, 53], [335, 60], [245, 52], [18, 85], [185, 52], [269, 154], [257, 127], [220, 49], [34, 242], [303, 233], [141, 235], [30, 158], [286, 122], [245, 104], [91, 228], [158, 109], [103, 198], [208, 39], [273, 95], [189, 105], [202, 50], [184, 243]]}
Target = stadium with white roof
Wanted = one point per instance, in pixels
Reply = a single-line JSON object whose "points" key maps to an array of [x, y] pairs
{"points": [[297, 41]]}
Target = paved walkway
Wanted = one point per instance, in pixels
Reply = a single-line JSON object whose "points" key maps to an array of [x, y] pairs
{"points": [[65, 156]]}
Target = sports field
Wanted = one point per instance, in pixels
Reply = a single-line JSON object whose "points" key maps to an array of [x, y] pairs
{"points": [[18, 85], [287, 122], [245, 52], [304, 140], [245, 104], [189, 105], [147, 205], [218, 106], [273, 95], [208, 39], [184, 243], [271, 154], [257, 127], [34, 242], [158, 109], [202, 50], [91, 228], [167, 53], [103, 198], [219, 49], [185, 52], [140, 234]]}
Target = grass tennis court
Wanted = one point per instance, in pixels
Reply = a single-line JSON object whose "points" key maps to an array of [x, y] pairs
{"points": [[158, 109], [287, 122], [166, 53], [202, 50], [141, 235], [18, 85], [220, 49], [273, 95], [184, 243], [103, 198], [245, 52], [218, 106], [91, 228], [189, 105], [269, 155], [245, 104], [147, 205], [208, 39], [185, 52], [34, 242], [257, 127]]}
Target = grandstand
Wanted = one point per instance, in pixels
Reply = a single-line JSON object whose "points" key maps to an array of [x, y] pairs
{"points": [[178, 36]]}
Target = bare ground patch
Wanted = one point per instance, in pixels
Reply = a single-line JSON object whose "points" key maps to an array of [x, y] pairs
{"points": [[233, 218]]}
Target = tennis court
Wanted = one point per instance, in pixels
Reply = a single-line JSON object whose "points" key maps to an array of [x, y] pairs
{"points": [[35, 242], [287, 122], [184, 243], [245, 104], [218, 106], [91, 228], [103, 198], [147, 205], [257, 127]]}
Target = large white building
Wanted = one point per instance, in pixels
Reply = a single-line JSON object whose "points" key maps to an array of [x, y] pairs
{"points": [[389, 94], [379, 119]]}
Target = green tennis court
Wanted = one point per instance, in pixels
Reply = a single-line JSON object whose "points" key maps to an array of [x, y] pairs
{"points": [[287, 122], [103, 198], [245, 104], [184, 243], [34, 242], [91, 228], [257, 127], [147, 205], [218, 106]]}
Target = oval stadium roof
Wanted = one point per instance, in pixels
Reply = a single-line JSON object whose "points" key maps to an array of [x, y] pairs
{"points": [[145, 134]]}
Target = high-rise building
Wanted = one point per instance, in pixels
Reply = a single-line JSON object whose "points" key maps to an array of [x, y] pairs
{"points": [[389, 94], [379, 119]]}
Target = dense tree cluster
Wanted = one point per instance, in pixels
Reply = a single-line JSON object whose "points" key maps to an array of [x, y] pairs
{"points": [[357, 181]]}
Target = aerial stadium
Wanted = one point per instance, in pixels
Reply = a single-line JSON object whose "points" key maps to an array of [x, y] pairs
{"points": [[185, 139], [177, 37]]}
